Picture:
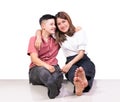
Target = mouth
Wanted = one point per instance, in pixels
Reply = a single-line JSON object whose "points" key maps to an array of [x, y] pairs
{"points": [[53, 30], [63, 30]]}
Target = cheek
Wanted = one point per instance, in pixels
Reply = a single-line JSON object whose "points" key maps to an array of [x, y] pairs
{"points": [[59, 26]]}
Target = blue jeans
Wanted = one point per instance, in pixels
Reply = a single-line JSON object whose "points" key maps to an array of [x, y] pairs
{"points": [[88, 67], [41, 76]]}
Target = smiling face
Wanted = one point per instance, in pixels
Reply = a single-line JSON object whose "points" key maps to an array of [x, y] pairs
{"points": [[62, 24], [49, 26]]}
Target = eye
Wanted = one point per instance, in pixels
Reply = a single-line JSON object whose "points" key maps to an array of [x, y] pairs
{"points": [[52, 24], [58, 23], [63, 21]]}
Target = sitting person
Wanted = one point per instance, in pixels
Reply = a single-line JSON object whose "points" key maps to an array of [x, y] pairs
{"points": [[79, 68], [44, 68]]}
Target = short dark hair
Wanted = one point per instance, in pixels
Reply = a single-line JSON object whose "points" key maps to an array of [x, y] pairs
{"points": [[46, 17]]}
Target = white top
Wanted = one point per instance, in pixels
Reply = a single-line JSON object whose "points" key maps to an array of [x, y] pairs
{"points": [[73, 44]]}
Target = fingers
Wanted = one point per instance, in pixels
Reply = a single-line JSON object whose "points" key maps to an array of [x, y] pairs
{"points": [[37, 45], [63, 70]]}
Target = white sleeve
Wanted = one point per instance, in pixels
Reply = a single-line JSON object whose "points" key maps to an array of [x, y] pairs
{"points": [[82, 40]]}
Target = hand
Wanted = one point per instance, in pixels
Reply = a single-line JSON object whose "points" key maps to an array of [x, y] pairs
{"points": [[38, 43], [78, 28], [38, 40], [50, 68], [66, 68]]}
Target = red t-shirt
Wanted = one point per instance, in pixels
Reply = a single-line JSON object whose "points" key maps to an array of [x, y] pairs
{"points": [[48, 50]]}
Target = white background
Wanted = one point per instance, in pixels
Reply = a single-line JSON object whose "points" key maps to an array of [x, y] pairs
{"points": [[99, 18]]}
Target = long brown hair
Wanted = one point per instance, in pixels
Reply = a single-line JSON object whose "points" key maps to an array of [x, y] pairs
{"points": [[60, 36]]}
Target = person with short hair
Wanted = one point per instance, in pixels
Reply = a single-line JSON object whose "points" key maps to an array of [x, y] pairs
{"points": [[44, 68]]}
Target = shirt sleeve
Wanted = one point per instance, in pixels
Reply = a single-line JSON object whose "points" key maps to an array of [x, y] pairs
{"points": [[31, 46], [82, 40]]}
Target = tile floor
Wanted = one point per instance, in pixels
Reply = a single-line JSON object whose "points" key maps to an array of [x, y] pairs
{"points": [[22, 91]]}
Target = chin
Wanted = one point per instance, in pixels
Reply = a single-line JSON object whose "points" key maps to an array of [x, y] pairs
{"points": [[52, 32], [64, 31]]}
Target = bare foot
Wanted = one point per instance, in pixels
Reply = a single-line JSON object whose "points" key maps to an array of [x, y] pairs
{"points": [[79, 86], [81, 74]]}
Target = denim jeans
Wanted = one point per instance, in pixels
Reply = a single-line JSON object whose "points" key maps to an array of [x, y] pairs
{"points": [[41, 76], [88, 67]]}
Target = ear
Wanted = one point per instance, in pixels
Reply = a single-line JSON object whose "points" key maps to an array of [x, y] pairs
{"points": [[43, 25]]}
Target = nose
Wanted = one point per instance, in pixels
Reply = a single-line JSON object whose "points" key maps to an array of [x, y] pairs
{"points": [[54, 26]]}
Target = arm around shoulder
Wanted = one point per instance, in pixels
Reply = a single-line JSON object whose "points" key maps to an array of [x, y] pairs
{"points": [[38, 40], [78, 28]]}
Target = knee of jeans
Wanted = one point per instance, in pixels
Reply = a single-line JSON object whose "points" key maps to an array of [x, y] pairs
{"points": [[51, 83]]}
